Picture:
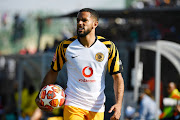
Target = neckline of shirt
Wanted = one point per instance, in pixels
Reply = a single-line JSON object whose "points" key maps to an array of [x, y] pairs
{"points": [[91, 45]]}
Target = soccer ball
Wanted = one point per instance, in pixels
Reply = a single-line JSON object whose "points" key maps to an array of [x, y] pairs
{"points": [[52, 96]]}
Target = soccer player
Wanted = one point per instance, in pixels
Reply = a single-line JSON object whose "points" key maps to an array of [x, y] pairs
{"points": [[87, 57]]}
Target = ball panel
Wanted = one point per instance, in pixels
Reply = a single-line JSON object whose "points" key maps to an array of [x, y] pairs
{"points": [[61, 101], [56, 89], [51, 95], [62, 93], [54, 102], [41, 102], [49, 107], [43, 94]]}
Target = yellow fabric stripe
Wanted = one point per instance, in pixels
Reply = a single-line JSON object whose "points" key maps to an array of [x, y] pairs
{"points": [[106, 42], [116, 67], [100, 37]]}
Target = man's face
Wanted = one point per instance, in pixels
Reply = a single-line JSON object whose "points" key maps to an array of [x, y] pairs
{"points": [[170, 88], [85, 23]]}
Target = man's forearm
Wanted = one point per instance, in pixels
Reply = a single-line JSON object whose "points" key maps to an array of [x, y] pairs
{"points": [[118, 88], [50, 78]]}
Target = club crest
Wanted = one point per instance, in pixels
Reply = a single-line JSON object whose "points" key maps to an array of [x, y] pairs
{"points": [[99, 57]]}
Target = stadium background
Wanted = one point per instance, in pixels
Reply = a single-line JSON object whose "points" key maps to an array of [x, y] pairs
{"points": [[27, 43]]}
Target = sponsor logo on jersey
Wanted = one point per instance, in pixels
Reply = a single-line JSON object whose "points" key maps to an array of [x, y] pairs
{"points": [[84, 80], [54, 58], [99, 57], [87, 71]]}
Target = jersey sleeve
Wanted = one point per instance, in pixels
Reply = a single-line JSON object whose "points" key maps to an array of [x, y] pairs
{"points": [[114, 62], [59, 58]]}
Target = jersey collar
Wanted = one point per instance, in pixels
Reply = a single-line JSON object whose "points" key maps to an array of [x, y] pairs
{"points": [[91, 45]]}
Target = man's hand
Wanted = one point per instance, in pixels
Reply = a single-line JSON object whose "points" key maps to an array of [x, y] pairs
{"points": [[47, 109], [117, 112]]}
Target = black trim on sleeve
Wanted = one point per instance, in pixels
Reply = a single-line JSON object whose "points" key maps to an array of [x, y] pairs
{"points": [[115, 73], [53, 69], [120, 70]]}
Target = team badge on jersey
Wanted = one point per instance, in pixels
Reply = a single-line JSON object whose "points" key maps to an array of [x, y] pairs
{"points": [[99, 57]]}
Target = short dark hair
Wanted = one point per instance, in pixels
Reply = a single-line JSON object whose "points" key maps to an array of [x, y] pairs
{"points": [[92, 11]]}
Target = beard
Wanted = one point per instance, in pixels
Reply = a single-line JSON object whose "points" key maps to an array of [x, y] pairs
{"points": [[83, 34]]}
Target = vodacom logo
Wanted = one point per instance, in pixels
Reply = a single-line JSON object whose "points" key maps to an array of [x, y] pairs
{"points": [[87, 71]]}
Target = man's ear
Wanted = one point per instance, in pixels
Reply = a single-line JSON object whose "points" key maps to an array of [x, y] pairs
{"points": [[96, 23]]}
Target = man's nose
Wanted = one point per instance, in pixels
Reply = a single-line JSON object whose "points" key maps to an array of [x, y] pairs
{"points": [[80, 22]]}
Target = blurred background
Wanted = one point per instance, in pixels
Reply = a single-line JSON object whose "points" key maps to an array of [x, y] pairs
{"points": [[31, 30]]}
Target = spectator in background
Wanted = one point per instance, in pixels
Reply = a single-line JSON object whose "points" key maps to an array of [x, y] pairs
{"points": [[47, 48], [18, 28], [4, 19], [28, 105], [53, 48], [168, 111], [130, 113], [147, 110]]}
